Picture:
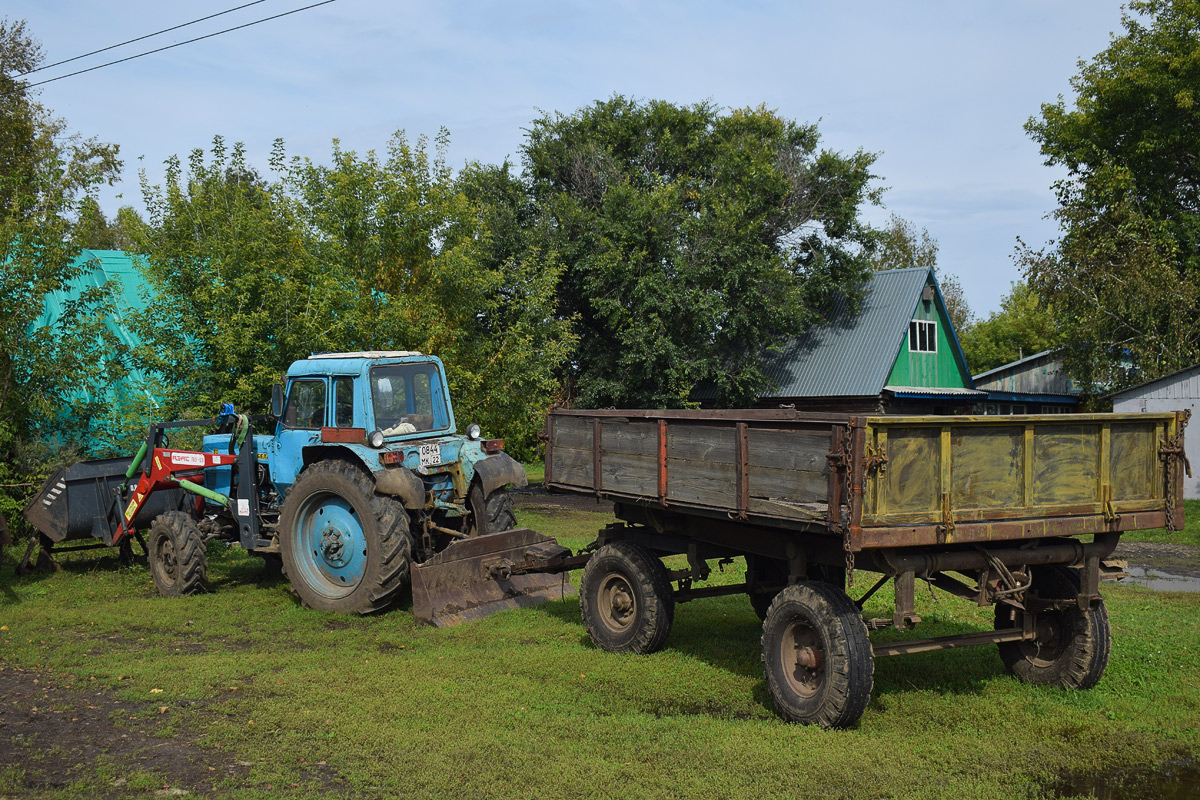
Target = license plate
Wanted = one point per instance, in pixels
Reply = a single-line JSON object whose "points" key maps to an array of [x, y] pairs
{"points": [[431, 455]]}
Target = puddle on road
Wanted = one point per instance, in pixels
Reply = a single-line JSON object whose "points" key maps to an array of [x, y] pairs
{"points": [[1161, 581], [1178, 781]]}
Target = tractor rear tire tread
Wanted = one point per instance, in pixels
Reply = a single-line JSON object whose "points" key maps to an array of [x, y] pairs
{"points": [[388, 563]]}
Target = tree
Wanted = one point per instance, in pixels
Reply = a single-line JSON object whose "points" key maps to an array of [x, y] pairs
{"points": [[1123, 278], [45, 366], [439, 264], [238, 294], [94, 231], [362, 253], [694, 241], [901, 247], [1023, 326]]}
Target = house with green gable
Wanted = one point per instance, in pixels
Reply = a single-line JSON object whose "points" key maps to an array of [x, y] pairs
{"points": [[899, 354]]}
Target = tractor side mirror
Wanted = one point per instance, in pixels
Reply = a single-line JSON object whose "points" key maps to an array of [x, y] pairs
{"points": [[276, 401]]}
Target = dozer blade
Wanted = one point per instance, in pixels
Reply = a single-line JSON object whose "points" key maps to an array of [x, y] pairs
{"points": [[473, 578]]}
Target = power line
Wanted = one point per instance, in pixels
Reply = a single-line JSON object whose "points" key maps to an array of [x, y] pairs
{"points": [[178, 44], [138, 39]]}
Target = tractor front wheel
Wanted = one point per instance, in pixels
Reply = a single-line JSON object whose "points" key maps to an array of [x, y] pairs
{"points": [[490, 514], [345, 548], [178, 561]]}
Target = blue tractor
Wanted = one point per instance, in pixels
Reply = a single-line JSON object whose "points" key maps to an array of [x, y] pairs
{"points": [[363, 480]]}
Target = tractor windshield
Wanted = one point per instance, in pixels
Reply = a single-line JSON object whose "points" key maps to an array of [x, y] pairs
{"points": [[408, 398]]}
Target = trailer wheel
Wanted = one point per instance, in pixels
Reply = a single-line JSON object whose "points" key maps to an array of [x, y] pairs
{"points": [[178, 561], [816, 656], [625, 598], [766, 576], [344, 547], [1072, 646], [490, 515]]}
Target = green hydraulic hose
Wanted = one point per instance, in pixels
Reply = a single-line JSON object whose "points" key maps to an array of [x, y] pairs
{"points": [[216, 497], [137, 461]]}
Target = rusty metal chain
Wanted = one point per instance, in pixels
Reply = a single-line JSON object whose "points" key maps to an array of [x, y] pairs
{"points": [[847, 472], [1171, 454]]}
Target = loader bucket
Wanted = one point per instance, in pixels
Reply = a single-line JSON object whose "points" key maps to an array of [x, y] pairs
{"points": [[77, 501], [472, 578]]}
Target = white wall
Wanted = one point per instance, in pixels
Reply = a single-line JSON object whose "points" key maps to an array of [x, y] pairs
{"points": [[1171, 394]]}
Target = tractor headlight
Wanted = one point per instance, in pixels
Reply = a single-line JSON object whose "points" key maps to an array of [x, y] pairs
{"points": [[472, 431], [375, 439]]}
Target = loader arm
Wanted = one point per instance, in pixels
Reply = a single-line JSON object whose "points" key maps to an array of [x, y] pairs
{"points": [[171, 469]]}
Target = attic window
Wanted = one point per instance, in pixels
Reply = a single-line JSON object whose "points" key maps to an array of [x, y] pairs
{"points": [[922, 336]]}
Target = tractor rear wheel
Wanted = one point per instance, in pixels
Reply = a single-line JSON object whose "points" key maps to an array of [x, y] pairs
{"points": [[178, 561], [345, 548]]}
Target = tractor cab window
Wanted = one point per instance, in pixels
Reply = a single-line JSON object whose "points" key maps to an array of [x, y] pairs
{"points": [[306, 404], [408, 399], [343, 402]]}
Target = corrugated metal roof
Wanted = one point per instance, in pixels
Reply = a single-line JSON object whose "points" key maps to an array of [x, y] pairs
{"points": [[933, 391], [1149, 388], [983, 376], [852, 356]]}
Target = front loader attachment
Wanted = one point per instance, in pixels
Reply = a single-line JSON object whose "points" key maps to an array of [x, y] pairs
{"points": [[79, 502], [475, 577]]}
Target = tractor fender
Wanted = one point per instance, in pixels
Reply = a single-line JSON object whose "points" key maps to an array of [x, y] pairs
{"points": [[403, 484], [499, 470]]}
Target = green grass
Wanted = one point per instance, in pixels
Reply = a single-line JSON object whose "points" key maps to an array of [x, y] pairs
{"points": [[1189, 535], [522, 705], [535, 471]]}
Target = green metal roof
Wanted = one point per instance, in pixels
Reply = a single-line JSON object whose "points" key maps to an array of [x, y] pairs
{"points": [[854, 354]]}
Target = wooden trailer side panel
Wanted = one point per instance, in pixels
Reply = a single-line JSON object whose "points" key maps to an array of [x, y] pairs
{"points": [[743, 467], [964, 479]]}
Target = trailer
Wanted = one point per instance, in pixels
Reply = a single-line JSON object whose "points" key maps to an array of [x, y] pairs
{"points": [[1017, 512]]}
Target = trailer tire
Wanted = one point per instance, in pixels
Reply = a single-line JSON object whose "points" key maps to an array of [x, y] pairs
{"points": [[625, 599], [178, 560], [1073, 646], [765, 576], [491, 514], [345, 548], [817, 656]]}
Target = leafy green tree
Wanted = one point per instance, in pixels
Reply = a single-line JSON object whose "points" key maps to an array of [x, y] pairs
{"points": [[238, 294], [1123, 279], [437, 264], [695, 241], [1023, 326], [901, 246], [48, 369], [96, 232], [361, 253]]}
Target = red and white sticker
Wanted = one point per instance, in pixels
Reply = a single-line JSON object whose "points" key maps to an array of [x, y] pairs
{"points": [[187, 459]]}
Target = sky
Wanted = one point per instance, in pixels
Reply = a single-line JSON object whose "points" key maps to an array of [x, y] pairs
{"points": [[940, 90]]}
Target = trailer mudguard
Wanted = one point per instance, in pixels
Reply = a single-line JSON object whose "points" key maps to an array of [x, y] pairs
{"points": [[499, 470], [401, 483]]}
